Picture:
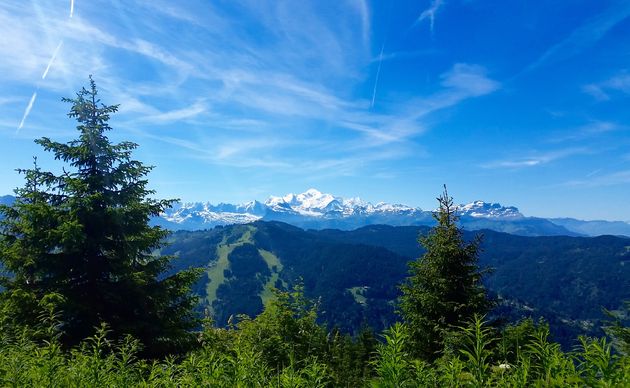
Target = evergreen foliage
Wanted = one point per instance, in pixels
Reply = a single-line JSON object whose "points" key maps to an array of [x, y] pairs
{"points": [[444, 288], [287, 335], [81, 239], [236, 358]]}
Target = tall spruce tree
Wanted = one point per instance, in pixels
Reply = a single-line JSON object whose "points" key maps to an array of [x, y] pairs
{"points": [[444, 288], [81, 239]]}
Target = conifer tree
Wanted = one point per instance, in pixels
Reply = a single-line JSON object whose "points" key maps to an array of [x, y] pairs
{"points": [[444, 288], [82, 238]]}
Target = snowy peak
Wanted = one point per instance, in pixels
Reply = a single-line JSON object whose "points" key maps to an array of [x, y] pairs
{"points": [[204, 213], [310, 203], [388, 207], [252, 207], [314, 203], [481, 209], [355, 202], [313, 207]]}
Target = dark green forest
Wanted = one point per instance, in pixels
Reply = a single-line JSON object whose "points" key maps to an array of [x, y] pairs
{"points": [[92, 295], [355, 274]]}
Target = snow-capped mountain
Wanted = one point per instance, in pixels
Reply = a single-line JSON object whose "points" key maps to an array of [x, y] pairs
{"points": [[312, 209], [309, 203], [481, 209], [313, 203], [317, 210], [205, 212]]}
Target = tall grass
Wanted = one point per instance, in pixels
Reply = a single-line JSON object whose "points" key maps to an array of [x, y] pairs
{"points": [[481, 357]]}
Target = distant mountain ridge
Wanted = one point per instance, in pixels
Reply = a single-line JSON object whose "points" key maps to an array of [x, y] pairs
{"points": [[7, 200], [316, 210]]}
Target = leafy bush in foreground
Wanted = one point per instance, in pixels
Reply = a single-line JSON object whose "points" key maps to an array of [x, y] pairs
{"points": [[284, 347]]}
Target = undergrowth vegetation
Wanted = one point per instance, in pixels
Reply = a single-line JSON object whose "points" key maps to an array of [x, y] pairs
{"points": [[286, 347]]}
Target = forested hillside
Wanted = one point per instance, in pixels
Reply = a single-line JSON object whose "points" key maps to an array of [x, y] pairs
{"points": [[573, 276], [355, 274]]}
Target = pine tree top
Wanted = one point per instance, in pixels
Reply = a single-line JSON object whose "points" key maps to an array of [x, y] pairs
{"points": [[84, 235]]}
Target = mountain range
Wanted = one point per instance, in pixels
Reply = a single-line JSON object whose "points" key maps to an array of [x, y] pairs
{"points": [[316, 210]]}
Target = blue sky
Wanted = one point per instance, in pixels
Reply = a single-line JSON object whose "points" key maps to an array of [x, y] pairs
{"points": [[518, 102]]}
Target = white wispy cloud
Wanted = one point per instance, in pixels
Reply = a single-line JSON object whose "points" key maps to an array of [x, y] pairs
{"points": [[170, 116], [584, 36], [535, 159], [172, 10], [289, 97], [587, 131], [349, 165], [233, 148], [610, 179], [378, 73], [225, 152], [27, 111], [462, 82], [429, 13], [363, 10], [403, 55], [469, 80], [52, 59], [593, 173], [83, 32], [24, 47], [601, 91], [298, 81], [9, 100]]}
